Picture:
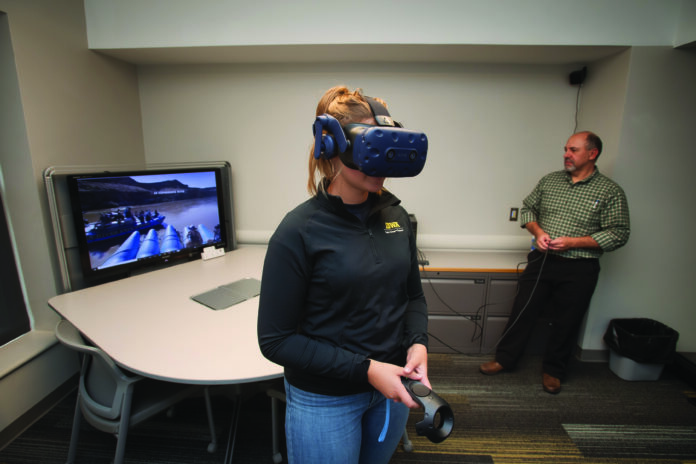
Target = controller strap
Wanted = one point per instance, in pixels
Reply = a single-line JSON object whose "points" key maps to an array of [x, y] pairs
{"points": [[383, 435]]}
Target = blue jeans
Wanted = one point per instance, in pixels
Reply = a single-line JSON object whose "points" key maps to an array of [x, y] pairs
{"points": [[322, 429]]}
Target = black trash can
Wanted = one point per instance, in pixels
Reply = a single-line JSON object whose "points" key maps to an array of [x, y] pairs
{"points": [[639, 347]]}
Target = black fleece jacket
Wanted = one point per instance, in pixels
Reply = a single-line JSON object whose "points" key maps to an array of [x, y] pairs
{"points": [[336, 291]]}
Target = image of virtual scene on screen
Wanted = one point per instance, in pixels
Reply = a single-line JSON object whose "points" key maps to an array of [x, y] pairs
{"points": [[136, 217]]}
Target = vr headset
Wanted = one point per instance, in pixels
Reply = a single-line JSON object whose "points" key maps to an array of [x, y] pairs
{"points": [[384, 150]]}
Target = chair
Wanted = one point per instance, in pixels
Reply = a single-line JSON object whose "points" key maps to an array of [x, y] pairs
{"points": [[112, 400]]}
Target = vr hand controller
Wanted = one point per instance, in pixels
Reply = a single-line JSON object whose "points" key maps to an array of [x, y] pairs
{"points": [[438, 419]]}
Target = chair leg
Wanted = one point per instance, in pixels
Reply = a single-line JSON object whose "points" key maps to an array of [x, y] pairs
{"points": [[277, 457], [233, 431], [407, 444], [122, 433], [74, 435], [276, 398], [212, 447]]}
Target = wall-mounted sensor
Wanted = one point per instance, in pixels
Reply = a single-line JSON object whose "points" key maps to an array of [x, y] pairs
{"points": [[578, 77]]}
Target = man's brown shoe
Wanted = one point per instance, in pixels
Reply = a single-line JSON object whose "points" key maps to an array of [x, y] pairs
{"points": [[491, 368], [551, 384]]}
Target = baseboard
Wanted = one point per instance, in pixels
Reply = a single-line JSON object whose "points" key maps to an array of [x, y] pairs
{"points": [[592, 355], [16, 428]]}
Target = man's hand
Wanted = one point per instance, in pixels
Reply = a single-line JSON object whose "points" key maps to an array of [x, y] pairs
{"points": [[541, 238], [561, 244], [566, 243], [544, 241]]}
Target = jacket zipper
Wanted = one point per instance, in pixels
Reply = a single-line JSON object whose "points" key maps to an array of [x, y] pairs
{"points": [[373, 246]]}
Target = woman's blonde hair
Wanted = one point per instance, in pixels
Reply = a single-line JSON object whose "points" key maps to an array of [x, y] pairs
{"points": [[347, 107]]}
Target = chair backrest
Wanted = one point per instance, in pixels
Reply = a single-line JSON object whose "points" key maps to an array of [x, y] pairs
{"points": [[103, 385]]}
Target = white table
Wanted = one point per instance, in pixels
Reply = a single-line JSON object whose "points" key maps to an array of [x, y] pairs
{"points": [[150, 325]]}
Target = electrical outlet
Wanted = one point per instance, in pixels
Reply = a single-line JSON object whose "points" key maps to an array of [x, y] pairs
{"points": [[514, 213]]}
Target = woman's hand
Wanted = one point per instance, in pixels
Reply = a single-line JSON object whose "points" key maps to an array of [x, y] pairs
{"points": [[417, 364], [386, 378]]}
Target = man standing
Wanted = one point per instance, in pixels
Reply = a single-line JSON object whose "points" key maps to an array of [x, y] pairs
{"points": [[575, 215]]}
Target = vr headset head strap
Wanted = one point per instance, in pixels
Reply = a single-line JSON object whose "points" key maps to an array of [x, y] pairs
{"points": [[381, 114]]}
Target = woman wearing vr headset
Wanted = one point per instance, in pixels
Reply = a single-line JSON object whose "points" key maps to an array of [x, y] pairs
{"points": [[342, 309]]}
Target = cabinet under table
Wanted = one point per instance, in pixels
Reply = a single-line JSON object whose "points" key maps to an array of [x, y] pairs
{"points": [[469, 296]]}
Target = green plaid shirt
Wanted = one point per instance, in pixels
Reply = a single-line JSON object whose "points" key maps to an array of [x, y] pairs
{"points": [[595, 206]]}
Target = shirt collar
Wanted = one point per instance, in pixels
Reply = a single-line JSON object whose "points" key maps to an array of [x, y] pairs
{"points": [[586, 179]]}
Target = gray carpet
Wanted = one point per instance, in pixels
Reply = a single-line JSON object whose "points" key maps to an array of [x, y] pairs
{"points": [[597, 418]]}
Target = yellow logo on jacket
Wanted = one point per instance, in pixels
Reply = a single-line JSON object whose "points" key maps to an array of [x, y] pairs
{"points": [[392, 227]]}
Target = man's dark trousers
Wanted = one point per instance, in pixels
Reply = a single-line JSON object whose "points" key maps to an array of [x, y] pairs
{"points": [[562, 292]]}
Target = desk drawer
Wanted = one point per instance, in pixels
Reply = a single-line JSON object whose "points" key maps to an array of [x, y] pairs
{"points": [[449, 297], [454, 334]]}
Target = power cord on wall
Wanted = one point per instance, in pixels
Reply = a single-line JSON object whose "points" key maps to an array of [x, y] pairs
{"points": [[577, 78], [531, 295], [577, 108]]}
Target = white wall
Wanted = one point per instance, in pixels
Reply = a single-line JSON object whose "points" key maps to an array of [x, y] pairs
{"points": [[493, 131], [87, 113], [686, 29], [602, 102], [61, 105], [652, 276], [177, 23]]}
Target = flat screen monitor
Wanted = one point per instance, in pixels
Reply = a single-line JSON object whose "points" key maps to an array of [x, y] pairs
{"points": [[129, 220]]}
